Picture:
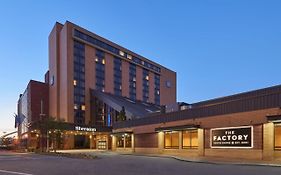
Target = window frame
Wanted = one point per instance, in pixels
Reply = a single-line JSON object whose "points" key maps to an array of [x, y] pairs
{"points": [[276, 148], [190, 138], [171, 147]]}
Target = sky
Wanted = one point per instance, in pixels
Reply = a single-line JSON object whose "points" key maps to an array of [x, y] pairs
{"points": [[217, 47]]}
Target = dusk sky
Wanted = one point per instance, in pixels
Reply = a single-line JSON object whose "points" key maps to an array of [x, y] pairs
{"points": [[217, 47]]}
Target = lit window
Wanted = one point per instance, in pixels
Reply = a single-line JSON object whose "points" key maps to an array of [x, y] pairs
{"points": [[74, 82], [147, 77], [75, 106], [171, 140], [103, 61], [134, 79], [121, 53], [129, 56], [277, 137], [83, 107], [158, 92], [97, 60], [119, 141], [189, 139]]}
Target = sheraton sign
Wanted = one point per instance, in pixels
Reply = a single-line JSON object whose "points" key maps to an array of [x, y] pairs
{"points": [[88, 129], [233, 137]]}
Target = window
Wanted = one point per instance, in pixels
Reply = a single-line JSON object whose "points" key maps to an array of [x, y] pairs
{"points": [[100, 70], [129, 57], [168, 84], [157, 89], [277, 137], [145, 90], [171, 140], [105, 46], [189, 139], [83, 108], [128, 141], [117, 76], [119, 141], [79, 82], [121, 53], [132, 81]]}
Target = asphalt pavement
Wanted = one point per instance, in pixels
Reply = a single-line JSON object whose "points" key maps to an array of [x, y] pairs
{"points": [[110, 163]]}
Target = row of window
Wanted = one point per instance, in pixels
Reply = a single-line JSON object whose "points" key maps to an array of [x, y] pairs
{"points": [[100, 70], [189, 139], [114, 50], [117, 76], [79, 82], [145, 90], [132, 81], [157, 89]]}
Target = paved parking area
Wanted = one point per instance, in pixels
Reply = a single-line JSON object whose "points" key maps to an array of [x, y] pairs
{"points": [[110, 163]]}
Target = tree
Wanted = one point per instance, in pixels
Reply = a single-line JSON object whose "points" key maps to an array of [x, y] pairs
{"points": [[122, 114], [51, 131]]}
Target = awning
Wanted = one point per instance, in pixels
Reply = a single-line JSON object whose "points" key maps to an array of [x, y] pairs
{"points": [[177, 128], [122, 133], [274, 118]]}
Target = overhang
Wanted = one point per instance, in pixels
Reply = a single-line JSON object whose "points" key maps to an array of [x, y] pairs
{"points": [[177, 128]]}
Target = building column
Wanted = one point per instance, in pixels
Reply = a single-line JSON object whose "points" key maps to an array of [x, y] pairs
{"points": [[201, 149], [160, 142], [268, 141], [91, 141], [124, 141], [133, 142], [107, 141], [113, 143], [180, 140]]}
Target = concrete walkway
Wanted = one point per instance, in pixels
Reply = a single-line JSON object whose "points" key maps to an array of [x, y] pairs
{"points": [[206, 160]]}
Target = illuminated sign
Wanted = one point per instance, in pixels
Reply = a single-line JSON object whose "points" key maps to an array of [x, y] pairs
{"points": [[80, 128], [233, 137]]}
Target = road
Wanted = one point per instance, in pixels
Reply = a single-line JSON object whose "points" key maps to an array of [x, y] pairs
{"points": [[110, 163]]}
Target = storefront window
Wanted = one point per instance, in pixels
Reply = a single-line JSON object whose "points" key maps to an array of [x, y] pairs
{"points": [[189, 139], [171, 140], [119, 141], [128, 141], [277, 137]]}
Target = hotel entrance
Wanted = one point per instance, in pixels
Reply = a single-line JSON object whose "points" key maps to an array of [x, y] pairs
{"points": [[85, 137], [86, 140]]}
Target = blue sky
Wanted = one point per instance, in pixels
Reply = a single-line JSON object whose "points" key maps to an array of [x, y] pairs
{"points": [[217, 47]]}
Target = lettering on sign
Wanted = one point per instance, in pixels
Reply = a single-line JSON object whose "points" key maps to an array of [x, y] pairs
{"points": [[80, 128], [233, 137]]}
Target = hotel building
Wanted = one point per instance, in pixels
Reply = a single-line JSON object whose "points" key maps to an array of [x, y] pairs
{"points": [[114, 99], [91, 79]]}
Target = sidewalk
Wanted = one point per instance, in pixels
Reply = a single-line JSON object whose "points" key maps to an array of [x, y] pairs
{"points": [[214, 160], [208, 160]]}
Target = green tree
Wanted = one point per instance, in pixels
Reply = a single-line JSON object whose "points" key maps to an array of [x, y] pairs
{"points": [[51, 131], [122, 114]]}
